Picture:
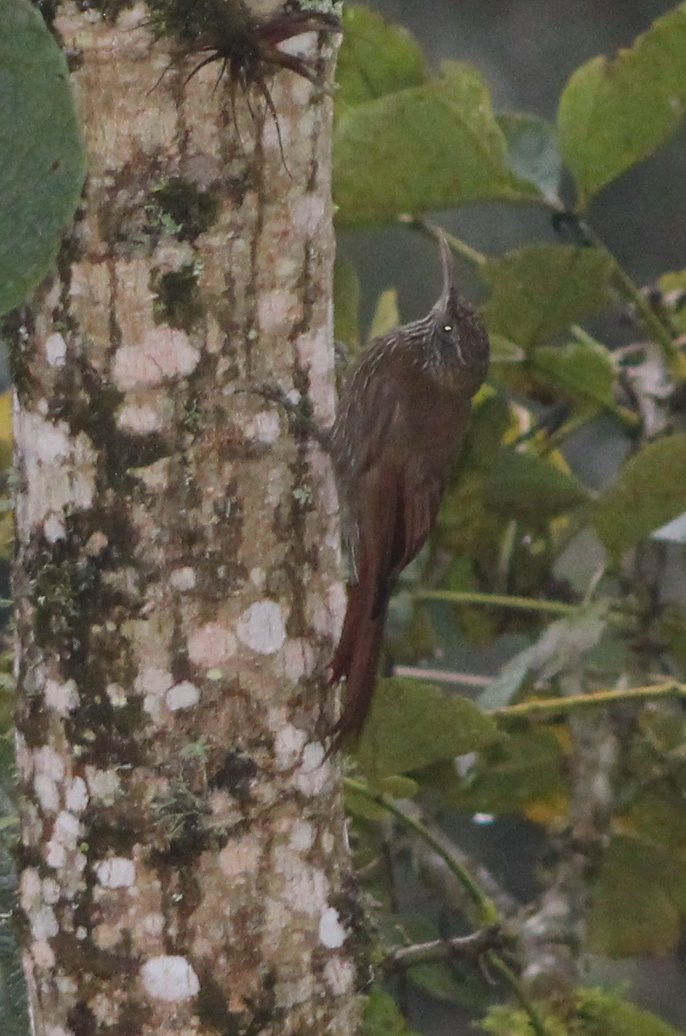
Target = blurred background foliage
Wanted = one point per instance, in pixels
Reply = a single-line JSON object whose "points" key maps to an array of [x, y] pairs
{"points": [[538, 814], [552, 594]]}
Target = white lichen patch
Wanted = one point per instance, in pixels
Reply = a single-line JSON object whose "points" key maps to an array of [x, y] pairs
{"points": [[261, 627], [139, 419], [183, 578], [116, 872], [305, 888], [153, 683], [332, 934], [309, 213], [240, 857], [77, 796], [164, 353], [117, 695], [55, 349], [313, 773], [30, 889], [54, 528], [43, 923], [48, 775], [169, 978], [96, 543], [211, 645], [104, 785], [182, 695], [288, 743], [257, 577], [50, 891], [277, 310], [263, 427], [339, 975], [43, 954], [59, 469], [62, 697], [302, 836]]}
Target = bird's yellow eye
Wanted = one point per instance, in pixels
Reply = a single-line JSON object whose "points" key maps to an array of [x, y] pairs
{"points": [[447, 327]]}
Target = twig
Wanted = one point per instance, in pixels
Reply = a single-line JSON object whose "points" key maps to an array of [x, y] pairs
{"points": [[499, 965], [486, 908], [499, 601], [442, 675], [469, 946], [543, 706]]}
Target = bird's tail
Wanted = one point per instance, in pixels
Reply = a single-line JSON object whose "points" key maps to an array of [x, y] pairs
{"points": [[357, 658]]}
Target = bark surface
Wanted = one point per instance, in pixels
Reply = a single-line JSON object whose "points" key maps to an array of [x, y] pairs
{"points": [[183, 865]]}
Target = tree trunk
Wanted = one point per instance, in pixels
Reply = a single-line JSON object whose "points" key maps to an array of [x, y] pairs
{"points": [[183, 865]]}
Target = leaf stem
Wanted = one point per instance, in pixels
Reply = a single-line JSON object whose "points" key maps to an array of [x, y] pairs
{"points": [[499, 601], [499, 965], [543, 706], [485, 906], [674, 358]]}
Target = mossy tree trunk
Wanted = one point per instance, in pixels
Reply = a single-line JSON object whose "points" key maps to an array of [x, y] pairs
{"points": [[183, 865]]}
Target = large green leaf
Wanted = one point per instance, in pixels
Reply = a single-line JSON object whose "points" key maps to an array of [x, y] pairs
{"points": [[649, 491], [581, 371], [615, 112], [41, 164], [376, 58], [532, 151], [636, 900], [542, 289], [426, 147], [382, 1017], [412, 725], [526, 486]]}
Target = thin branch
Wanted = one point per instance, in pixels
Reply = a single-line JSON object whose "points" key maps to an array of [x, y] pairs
{"points": [[485, 906], [467, 946], [674, 358], [499, 965], [499, 601], [442, 675], [545, 706]]}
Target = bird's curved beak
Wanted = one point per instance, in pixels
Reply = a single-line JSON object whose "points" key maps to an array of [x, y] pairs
{"points": [[448, 266]]}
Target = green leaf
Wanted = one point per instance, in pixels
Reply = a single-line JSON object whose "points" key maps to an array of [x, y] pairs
{"points": [[673, 286], [532, 152], [582, 371], [426, 147], [42, 169], [542, 289], [376, 58], [386, 315], [346, 290], [524, 485], [603, 1013], [613, 113], [650, 491], [399, 787], [412, 725], [382, 1017], [635, 904], [508, 777], [562, 647]]}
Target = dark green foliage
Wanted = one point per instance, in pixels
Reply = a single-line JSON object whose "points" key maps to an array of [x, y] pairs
{"points": [[42, 168]]}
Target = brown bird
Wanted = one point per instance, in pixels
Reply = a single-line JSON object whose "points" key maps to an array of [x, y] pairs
{"points": [[401, 418]]}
